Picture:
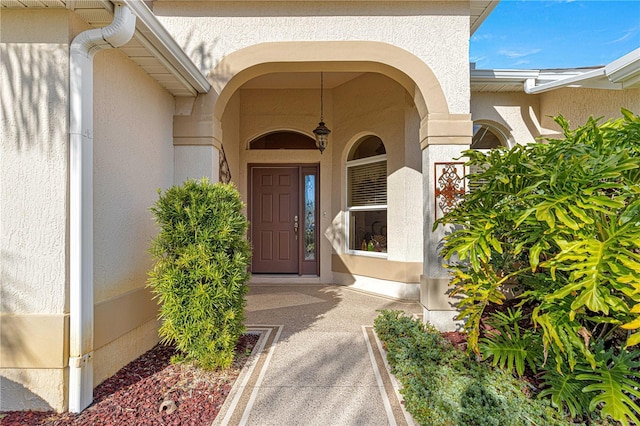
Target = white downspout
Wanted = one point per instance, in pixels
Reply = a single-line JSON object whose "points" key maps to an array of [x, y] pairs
{"points": [[83, 48]]}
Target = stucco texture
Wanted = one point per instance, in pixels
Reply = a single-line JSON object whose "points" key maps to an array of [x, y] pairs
{"points": [[209, 31], [577, 105], [33, 164], [33, 212], [133, 158], [515, 112]]}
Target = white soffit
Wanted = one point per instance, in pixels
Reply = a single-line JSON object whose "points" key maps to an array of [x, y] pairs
{"points": [[152, 47], [480, 9]]}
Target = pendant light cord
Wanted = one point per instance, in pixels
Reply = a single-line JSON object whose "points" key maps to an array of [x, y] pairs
{"points": [[321, 96]]}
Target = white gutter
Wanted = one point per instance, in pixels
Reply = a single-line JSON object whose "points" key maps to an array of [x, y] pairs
{"points": [[83, 48], [531, 88], [625, 70]]}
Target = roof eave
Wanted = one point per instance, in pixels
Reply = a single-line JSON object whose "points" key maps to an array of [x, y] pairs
{"points": [[486, 11], [625, 70], [152, 34]]}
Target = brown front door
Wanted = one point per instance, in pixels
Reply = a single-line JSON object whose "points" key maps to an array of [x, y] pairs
{"points": [[284, 212], [274, 219]]}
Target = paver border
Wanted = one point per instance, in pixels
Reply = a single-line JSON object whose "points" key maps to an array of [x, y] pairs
{"points": [[238, 399]]}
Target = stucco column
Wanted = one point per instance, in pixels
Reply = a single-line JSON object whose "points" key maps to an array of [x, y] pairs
{"points": [[197, 145], [443, 137]]}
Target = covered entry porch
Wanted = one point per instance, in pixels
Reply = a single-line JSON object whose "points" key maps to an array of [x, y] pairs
{"points": [[374, 187]]}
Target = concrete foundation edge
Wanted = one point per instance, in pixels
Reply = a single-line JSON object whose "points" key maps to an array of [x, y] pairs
{"points": [[392, 289]]}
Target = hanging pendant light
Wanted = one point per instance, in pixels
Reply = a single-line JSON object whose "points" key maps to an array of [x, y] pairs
{"points": [[321, 132]]}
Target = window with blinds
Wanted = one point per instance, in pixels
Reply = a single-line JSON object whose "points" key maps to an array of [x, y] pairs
{"points": [[368, 184], [367, 197]]}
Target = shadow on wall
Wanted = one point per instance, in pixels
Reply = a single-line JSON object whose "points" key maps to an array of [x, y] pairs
{"points": [[33, 105], [526, 111], [15, 396], [199, 53], [12, 294], [33, 111]]}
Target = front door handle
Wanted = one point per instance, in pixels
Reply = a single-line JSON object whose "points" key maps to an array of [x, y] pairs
{"points": [[295, 226]]}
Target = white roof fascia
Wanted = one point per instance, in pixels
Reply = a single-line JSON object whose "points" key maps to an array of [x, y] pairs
{"points": [[580, 80], [625, 70], [155, 37]]}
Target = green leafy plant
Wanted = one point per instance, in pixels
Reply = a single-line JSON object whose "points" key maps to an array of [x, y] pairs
{"points": [[565, 391], [509, 345], [441, 385], [615, 385], [200, 273], [559, 223]]}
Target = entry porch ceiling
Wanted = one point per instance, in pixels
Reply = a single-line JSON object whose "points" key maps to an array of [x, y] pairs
{"points": [[151, 46]]}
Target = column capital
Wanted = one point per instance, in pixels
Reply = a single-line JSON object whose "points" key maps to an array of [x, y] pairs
{"points": [[197, 130], [446, 129]]}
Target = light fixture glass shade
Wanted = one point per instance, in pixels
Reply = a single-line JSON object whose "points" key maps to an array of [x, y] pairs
{"points": [[322, 133]]}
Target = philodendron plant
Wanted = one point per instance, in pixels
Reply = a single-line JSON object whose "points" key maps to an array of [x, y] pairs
{"points": [[559, 222]]}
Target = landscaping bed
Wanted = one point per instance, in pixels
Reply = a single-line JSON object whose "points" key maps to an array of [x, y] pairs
{"points": [[441, 385], [151, 391]]}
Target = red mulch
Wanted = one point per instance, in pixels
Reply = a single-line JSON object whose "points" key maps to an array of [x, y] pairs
{"points": [[147, 390], [457, 338]]}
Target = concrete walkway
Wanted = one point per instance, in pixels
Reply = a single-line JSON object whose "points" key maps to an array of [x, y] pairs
{"points": [[317, 361]]}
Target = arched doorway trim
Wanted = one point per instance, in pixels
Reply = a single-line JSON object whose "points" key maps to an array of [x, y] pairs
{"points": [[329, 56]]}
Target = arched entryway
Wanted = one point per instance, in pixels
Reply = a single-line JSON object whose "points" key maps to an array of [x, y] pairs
{"points": [[370, 88]]}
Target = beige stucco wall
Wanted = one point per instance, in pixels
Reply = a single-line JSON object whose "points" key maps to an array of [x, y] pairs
{"points": [[33, 211], [34, 156], [231, 130], [527, 117], [209, 31], [517, 113], [577, 105], [133, 158]]}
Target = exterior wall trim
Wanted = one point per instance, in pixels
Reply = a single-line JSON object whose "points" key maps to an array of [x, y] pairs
{"points": [[118, 316], [34, 341], [380, 268], [329, 56]]}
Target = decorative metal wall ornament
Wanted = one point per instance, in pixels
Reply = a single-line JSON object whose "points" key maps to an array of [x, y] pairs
{"points": [[321, 132], [449, 186]]}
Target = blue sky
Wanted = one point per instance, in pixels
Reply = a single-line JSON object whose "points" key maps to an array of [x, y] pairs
{"points": [[535, 34]]}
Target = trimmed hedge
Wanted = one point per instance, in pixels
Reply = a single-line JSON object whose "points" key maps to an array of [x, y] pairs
{"points": [[441, 385], [201, 270]]}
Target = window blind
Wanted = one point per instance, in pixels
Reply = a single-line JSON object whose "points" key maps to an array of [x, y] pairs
{"points": [[368, 184]]}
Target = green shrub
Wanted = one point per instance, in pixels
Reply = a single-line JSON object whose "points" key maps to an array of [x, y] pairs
{"points": [[442, 386], [201, 270], [560, 224]]}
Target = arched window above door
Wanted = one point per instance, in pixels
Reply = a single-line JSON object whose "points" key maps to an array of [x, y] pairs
{"points": [[283, 140]]}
